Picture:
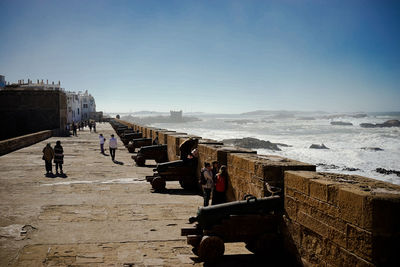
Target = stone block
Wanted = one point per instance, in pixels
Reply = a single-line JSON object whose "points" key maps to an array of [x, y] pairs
{"points": [[291, 206], [359, 241], [338, 256], [388, 207], [352, 204], [298, 180]]}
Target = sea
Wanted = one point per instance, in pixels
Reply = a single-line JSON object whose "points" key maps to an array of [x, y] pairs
{"points": [[300, 130]]}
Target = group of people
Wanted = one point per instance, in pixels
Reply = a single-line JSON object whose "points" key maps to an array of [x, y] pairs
{"points": [[81, 126], [213, 179], [112, 145], [56, 154]]}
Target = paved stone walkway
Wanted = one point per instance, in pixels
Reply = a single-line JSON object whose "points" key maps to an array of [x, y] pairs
{"points": [[101, 214]]}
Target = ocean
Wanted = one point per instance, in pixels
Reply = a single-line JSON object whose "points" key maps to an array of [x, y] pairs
{"points": [[345, 142]]}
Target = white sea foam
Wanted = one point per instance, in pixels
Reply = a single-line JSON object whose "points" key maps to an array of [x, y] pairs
{"points": [[345, 142]]}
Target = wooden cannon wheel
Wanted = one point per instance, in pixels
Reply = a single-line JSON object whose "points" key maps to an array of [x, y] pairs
{"points": [[211, 248], [140, 161], [158, 183]]}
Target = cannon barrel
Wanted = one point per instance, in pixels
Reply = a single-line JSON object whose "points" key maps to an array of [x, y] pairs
{"points": [[132, 136], [209, 216], [146, 149], [162, 167]]}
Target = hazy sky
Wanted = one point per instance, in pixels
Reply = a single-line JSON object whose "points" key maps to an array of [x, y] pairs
{"points": [[210, 56]]}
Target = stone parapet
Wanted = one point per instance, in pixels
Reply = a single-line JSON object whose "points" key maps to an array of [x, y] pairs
{"points": [[342, 220], [12, 144], [251, 174]]}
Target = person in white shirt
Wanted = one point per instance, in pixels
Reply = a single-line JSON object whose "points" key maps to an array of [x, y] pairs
{"points": [[102, 141], [113, 146]]}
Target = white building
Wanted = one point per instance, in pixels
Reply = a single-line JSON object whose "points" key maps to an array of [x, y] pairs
{"points": [[74, 109], [80, 106]]}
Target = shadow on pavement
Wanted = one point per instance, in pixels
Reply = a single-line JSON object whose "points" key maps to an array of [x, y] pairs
{"points": [[239, 260], [118, 162], [63, 175], [178, 191]]}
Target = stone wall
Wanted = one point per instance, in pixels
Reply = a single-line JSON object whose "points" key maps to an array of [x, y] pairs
{"points": [[252, 173], [342, 220], [9, 145], [28, 111], [329, 219]]}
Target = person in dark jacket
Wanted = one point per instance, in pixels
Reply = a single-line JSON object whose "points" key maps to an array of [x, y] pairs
{"points": [[58, 156], [48, 155]]}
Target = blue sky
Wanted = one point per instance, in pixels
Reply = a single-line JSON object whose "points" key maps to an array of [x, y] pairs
{"points": [[209, 56]]}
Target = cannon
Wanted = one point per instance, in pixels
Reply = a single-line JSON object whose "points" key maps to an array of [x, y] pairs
{"points": [[129, 136], [256, 222], [183, 171], [157, 152], [120, 129], [137, 143]]}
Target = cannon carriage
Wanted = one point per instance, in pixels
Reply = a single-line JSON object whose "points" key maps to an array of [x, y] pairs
{"points": [[138, 143], [256, 222], [183, 171], [128, 136], [158, 153]]}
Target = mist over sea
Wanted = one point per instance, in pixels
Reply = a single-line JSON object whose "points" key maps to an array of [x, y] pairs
{"points": [[301, 130]]}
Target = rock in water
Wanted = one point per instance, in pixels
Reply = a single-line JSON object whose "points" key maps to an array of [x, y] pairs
{"points": [[372, 148], [389, 123], [384, 171], [341, 123], [249, 142], [321, 146]]}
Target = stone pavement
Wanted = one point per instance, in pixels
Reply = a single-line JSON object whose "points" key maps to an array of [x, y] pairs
{"points": [[101, 214]]}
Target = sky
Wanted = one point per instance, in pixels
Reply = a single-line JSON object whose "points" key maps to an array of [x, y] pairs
{"points": [[209, 56]]}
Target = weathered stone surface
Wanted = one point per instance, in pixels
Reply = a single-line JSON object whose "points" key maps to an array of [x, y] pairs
{"points": [[356, 219], [101, 214], [9, 145]]}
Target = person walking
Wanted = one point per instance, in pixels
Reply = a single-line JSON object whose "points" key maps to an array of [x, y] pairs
{"points": [[48, 155], [208, 185], [94, 126], [102, 141], [74, 129], [113, 146], [58, 156], [220, 186], [90, 126]]}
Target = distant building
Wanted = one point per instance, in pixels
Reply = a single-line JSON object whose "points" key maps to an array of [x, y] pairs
{"points": [[39, 85], [176, 116], [74, 108], [27, 107], [2, 81]]}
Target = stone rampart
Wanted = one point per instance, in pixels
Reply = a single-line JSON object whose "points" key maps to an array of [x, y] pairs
{"points": [[329, 219], [342, 220], [12, 144]]}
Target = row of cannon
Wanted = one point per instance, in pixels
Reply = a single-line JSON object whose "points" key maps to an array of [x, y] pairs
{"points": [[254, 221]]}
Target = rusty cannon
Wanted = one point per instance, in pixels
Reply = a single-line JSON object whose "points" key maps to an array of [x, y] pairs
{"points": [[158, 153], [254, 221], [128, 136], [138, 143], [183, 171]]}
